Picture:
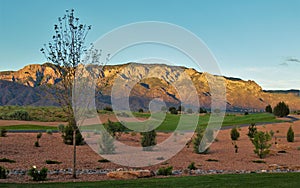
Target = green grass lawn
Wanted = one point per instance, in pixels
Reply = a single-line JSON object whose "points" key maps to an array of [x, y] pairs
{"points": [[28, 127], [289, 180]]}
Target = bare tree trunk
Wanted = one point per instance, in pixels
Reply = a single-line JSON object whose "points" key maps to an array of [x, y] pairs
{"points": [[74, 153]]}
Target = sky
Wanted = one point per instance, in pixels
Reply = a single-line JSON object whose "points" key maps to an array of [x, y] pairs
{"points": [[253, 40]]}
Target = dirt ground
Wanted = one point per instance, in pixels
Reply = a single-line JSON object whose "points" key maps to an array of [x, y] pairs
{"points": [[20, 147]]}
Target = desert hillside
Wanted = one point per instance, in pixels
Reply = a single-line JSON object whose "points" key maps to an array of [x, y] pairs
{"points": [[25, 87]]}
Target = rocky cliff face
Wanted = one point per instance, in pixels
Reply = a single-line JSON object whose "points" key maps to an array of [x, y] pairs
{"points": [[142, 82]]}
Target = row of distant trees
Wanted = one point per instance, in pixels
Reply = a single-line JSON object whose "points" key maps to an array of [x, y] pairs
{"points": [[280, 110]]}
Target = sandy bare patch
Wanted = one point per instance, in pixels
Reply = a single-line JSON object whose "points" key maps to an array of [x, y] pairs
{"points": [[20, 147]]}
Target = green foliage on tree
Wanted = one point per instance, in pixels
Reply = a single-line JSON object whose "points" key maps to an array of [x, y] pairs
{"points": [[180, 108], [199, 133], [252, 130], [234, 134], [148, 140], [67, 136], [290, 135], [269, 109], [261, 143], [202, 110], [106, 143], [281, 109], [173, 110], [115, 128]]}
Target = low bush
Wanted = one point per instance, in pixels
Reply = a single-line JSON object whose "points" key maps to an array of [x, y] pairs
{"points": [[19, 115], [67, 135], [258, 161], [5, 160], [212, 160], [3, 172], [192, 166], [38, 175], [49, 131], [52, 162], [3, 132], [252, 130], [234, 133], [165, 171], [103, 161], [108, 108], [290, 135]]}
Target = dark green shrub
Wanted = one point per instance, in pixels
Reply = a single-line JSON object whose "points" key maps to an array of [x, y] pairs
{"points": [[246, 113], [38, 175], [252, 130], [61, 128], [68, 136], [20, 115], [49, 131], [115, 128], [103, 161], [234, 134], [281, 109], [5, 160], [3, 132], [108, 108], [3, 172], [290, 135], [258, 161], [202, 110], [269, 109], [261, 143], [148, 140], [212, 160], [192, 166], [165, 171], [141, 110], [36, 144], [180, 108], [173, 110], [52, 162]]}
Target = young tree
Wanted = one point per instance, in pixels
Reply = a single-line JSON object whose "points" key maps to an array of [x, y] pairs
{"points": [[234, 134], [290, 135], [106, 143], [148, 140], [281, 109], [269, 109], [261, 143], [66, 51], [252, 130]]}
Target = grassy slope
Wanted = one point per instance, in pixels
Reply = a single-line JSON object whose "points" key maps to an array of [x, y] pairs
{"points": [[288, 180], [169, 123]]}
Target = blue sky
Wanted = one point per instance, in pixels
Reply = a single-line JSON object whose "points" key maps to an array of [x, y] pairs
{"points": [[250, 39]]}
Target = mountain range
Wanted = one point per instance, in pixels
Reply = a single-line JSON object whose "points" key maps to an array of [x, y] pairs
{"points": [[25, 87]]}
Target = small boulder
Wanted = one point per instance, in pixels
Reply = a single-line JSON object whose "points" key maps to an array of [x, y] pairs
{"points": [[130, 174]]}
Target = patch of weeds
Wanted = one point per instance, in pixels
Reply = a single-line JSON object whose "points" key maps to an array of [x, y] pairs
{"points": [[298, 148], [165, 163], [5, 160], [212, 160], [52, 162], [103, 161], [160, 158], [192, 166], [165, 171], [258, 161]]}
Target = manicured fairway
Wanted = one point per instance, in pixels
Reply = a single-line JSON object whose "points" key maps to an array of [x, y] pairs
{"points": [[288, 180]]}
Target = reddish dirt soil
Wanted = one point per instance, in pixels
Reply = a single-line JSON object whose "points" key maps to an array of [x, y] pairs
{"points": [[20, 147]]}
